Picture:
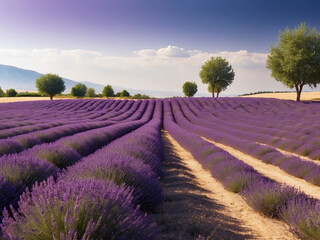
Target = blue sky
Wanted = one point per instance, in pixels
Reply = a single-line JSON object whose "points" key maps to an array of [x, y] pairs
{"points": [[148, 43]]}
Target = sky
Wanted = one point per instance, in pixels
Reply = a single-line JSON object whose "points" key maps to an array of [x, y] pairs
{"points": [[149, 44]]}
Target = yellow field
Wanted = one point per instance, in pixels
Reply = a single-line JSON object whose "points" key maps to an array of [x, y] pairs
{"points": [[305, 96]]}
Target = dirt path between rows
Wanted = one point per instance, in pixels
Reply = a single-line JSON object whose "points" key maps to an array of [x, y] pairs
{"points": [[291, 154], [196, 204], [272, 172]]}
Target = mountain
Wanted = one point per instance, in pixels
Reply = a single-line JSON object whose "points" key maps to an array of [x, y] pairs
{"points": [[25, 80]]}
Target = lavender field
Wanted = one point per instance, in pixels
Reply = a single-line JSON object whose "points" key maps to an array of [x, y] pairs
{"points": [[92, 169]]}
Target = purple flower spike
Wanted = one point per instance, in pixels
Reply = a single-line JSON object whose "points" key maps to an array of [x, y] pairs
{"points": [[79, 209]]}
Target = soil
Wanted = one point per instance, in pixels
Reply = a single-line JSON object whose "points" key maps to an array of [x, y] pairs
{"points": [[196, 204], [272, 172]]}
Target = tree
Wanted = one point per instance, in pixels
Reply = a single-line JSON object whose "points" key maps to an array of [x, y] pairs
{"points": [[295, 61], [189, 89], [218, 88], [50, 85], [11, 92], [108, 91], [218, 73], [125, 93], [117, 94], [79, 90], [91, 93], [1, 93]]}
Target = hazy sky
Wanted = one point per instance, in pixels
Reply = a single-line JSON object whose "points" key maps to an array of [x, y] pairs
{"points": [[148, 44]]}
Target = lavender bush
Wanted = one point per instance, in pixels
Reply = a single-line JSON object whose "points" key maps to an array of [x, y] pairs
{"points": [[80, 209], [8, 147], [60, 155], [267, 197], [303, 217]]}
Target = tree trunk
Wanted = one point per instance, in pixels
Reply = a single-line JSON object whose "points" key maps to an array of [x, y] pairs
{"points": [[218, 94], [298, 90], [51, 97], [212, 87]]}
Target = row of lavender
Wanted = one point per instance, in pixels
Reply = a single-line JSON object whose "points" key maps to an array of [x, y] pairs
{"points": [[27, 113], [43, 119], [266, 196], [281, 124], [22, 170], [277, 117], [126, 111], [103, 196], [293, 165]]}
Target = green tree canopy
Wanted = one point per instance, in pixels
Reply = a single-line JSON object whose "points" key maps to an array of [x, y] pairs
{"points": [[295, 61], [189, 89], [218, 73], [11, 92], [91, 93], [108, 91], [125, 93], [50, 85], [79, 90], [1, 93]]}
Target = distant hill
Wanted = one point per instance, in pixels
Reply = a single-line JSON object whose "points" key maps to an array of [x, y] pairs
{"points": [[22, 79], [25, 80]]}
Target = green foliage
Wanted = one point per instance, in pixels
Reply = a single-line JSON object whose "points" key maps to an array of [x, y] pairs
{"points": [[218, 73], [28, 94], [11, 92], [189, 89], [108, 91], [295, 61], [125, 93], [1, 93], [79, 90], [50, 85], [118, 94], [91, 93], [139, 96]]}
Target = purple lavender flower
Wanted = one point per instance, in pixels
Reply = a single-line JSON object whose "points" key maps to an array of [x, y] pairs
{"points": [[122, 170], [267, 197], [302, 215], [80, 209], [8, 147], [58, 154]]}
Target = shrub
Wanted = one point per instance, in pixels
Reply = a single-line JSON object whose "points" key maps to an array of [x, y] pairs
{"points": [[9, 146], [28, 94], [28, 140], [240, 180], [315, 154], [2, 94], [303, 217], [125, 93], [11, 92], [79, 90], [108, 91], [122, 170], [58, 154], [268, 197], [189, 89], [80, 209], [91, 93], [24, 169]]}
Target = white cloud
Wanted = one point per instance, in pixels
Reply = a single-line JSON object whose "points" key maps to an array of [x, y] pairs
{"points": [[172, 51], [146, 53], [159, 69]]}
